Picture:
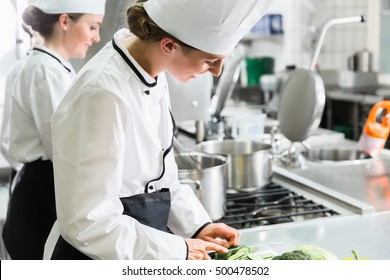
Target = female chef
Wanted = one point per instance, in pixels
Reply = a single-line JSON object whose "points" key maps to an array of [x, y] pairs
{"points": [[116, 180], [68, 28]]}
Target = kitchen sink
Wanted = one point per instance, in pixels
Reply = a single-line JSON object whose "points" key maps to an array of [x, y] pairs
{"points": [[347, 155]]}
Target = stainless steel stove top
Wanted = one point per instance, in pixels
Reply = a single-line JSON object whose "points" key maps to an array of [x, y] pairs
{"points": [[272, 204]]}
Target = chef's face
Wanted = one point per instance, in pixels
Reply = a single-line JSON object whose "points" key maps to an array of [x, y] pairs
{"points": [[188, 63], [81, 34]]}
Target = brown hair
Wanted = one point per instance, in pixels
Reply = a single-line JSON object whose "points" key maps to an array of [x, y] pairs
{"points": [[142, 26], [41, 22]]}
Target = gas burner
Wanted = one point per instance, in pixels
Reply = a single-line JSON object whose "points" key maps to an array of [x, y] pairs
{"points": [[271, 204]]}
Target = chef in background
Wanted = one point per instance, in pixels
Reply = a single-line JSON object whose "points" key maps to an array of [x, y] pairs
{"points": [[35, 40], [68, 29], [116, 180]]}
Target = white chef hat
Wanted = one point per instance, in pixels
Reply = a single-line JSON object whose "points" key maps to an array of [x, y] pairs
{"points": [[71, 6], [213, 26]]}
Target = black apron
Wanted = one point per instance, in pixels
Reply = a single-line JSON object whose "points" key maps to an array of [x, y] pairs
{"points": [[150, 209], [31, 211]]}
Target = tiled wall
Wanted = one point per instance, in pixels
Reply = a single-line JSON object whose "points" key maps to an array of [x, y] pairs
{"points": [[296, 46]]}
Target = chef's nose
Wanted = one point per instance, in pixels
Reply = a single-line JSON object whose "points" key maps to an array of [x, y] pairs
{"points": [[216, 68], [96, 38]]}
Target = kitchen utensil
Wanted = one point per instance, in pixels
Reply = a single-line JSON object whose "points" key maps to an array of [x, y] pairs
{"points": [[208, 182], [303, 95], [336, 154], [250, 165], [185, 158], [361, 61], [301, 105]]}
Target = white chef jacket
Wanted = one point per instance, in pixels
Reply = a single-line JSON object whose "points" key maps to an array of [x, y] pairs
{"points": [[5, 126], [39, 86], [109, 136]]}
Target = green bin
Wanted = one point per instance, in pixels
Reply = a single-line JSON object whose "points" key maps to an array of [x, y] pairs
{"points": [[258, 66]]}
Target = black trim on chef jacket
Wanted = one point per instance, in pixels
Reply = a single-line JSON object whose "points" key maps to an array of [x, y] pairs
{"points": [[166, 152], [200, 229], [56, 58], [139, 75]]}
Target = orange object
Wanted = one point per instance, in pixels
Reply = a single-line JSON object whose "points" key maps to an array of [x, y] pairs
{"points": [[376, 130]]}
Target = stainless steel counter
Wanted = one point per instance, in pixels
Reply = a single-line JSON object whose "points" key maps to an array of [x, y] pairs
{"points": [[367, 181], [363, 189], [368, 234]]}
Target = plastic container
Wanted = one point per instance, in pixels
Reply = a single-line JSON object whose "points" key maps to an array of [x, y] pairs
{"points": [[376, 130], [268, 25], [249, 126]]}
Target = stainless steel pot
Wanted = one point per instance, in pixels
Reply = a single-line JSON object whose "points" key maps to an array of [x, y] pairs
{"points": [[208, 182], [361, 61], [250, 164]]}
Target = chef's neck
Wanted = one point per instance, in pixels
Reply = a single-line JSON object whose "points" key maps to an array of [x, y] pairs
{"points": [[147, 55], [58, 46]]}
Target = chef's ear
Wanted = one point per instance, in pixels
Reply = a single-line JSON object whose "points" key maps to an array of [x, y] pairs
{"points": [[168, 45], [64, 21]]}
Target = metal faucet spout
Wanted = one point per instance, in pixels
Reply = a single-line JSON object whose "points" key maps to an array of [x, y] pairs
{"points": [[327, 25]]}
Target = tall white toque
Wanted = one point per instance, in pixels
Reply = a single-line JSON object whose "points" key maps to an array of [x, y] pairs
{"points": [[213, 26], [71, 6]]}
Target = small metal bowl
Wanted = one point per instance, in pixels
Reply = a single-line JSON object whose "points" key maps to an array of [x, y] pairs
{"points": [[336, 154]]}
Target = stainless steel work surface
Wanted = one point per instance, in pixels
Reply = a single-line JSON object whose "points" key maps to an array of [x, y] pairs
{"points": [[368, 234], [368, 181]]}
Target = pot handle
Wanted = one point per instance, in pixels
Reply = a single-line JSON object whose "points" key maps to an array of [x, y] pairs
{"points": [[196, 187]]}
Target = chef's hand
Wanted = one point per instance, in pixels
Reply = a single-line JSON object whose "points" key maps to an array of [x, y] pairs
{"points": [[197, 249], [220, 234]]}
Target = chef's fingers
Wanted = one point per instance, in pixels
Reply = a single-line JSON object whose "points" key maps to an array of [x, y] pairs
{"points": [[231, 235], [225, 232], [197, 249], [219, 241], [212, 246]]}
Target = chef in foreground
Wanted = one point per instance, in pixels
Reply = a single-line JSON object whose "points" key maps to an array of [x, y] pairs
{"points": [[116, 180]]}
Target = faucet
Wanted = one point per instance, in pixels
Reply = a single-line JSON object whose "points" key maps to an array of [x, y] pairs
{"points": [[224, 90], [328, 24]]}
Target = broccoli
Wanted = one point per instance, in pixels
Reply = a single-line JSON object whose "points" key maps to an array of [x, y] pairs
{"points": [[293, 255]]}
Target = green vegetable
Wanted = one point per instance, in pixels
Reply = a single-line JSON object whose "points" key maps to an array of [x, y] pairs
{"points": [[293, 255], [355, 255], [234, 253], [317, 253], [254, 256], [306, 252], [240, 252]]}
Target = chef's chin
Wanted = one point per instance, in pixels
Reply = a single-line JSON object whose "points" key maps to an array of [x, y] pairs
{"points": [[185, 79]]}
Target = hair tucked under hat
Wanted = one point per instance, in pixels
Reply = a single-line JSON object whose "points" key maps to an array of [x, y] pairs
{"points": [[142, 26]]}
